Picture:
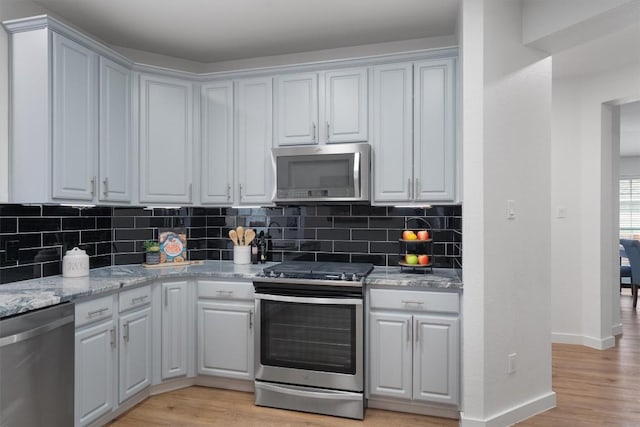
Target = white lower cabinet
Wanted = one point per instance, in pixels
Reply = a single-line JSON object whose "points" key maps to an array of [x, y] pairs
{"points": [[94, 371], [225, 329], [414, 346], [176, 312], [135, 352]]}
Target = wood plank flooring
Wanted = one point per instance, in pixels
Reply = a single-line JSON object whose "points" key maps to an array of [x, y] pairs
{"points": [[594, 388]]}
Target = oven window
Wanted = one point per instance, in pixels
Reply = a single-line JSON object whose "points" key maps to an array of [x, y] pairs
{"points": [[315, 337]]}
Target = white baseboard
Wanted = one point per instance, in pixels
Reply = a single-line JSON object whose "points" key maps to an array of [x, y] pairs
{"points": [[616, 330], [443, 411], [597, 343], [513, 415]]}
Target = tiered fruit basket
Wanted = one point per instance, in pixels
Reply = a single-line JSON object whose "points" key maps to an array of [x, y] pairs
{"points": [[416, 242]]}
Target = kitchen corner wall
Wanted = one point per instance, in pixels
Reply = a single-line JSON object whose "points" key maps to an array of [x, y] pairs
{"points": [[33, 239]]}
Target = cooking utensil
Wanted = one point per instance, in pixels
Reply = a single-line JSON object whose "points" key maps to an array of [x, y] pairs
{"points": [[249, 235], [234, 237], [240, 233]]}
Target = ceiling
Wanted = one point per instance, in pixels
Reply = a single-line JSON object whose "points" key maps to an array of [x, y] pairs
{"points": [[210, 31]]}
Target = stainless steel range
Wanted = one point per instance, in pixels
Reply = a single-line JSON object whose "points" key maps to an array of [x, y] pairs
{"points": [[310, 337]]}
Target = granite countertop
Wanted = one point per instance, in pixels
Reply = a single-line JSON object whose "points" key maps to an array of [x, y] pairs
{"points": [[27, 295]]}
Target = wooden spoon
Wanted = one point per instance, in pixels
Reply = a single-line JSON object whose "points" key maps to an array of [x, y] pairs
{"points": [[233, 236], [240, 233], [249, 235]]}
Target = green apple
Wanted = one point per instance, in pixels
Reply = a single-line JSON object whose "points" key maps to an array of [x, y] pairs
{"points": [[411, 259]]}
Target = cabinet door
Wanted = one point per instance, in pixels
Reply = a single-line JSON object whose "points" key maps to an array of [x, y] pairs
{"points": [[115, 132], [254, 117], [436, 360], [217, 143], [346, 105], [392, 139], [166, 140], [135, 352], [297, 109], [390, 352], [175, 329], [95, 355], [75, 131], [434, 130], [225, 340]]}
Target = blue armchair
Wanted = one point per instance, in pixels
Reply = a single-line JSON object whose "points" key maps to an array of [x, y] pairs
{"points": [[632, 249]]}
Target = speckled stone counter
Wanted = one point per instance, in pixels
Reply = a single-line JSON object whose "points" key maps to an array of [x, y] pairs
{"points": [[20, 297], [440, 278]]}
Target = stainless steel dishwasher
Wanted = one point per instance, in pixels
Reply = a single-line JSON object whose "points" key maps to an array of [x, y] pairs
{"points": [[36, 368]]}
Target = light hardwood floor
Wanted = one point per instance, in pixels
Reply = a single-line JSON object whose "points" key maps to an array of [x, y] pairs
{"points": [[594, 388]]}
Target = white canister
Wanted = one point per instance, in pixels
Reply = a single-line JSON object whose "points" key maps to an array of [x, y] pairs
{"points": [[242, 254], [75, 263]]}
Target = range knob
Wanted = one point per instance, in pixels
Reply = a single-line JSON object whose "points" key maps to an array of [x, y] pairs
{"points": [[272, 274], [354, 277], [281, 275], [343, 276]]}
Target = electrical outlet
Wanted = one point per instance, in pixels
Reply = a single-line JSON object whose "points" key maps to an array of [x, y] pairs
{"points": [[511, 363], [562, 212], [511, 209]]}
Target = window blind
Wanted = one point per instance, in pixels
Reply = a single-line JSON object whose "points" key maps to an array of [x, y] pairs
{"points": [[629, 208]]}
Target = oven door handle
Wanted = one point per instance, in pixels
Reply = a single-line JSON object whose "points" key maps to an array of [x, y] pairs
{"points": [[335, 395], [310, 300]]}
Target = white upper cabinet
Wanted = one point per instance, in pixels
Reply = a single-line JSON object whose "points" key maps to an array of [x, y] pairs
{"points": [[75, 120], [166, 140], [346, 105], [115, 132], [297, 109], [434, 130], [217, 143], [254, 168], [413, 138], [392, 139], [324, 107]]}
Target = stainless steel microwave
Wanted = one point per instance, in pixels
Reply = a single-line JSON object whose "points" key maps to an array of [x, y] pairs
{"points": [[322, 173]]}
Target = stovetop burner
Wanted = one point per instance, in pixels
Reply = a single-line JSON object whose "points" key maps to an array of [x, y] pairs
{"points": [[319, 270]]}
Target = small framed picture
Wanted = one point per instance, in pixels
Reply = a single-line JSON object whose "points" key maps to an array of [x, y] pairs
{"points": [[173, 245]]}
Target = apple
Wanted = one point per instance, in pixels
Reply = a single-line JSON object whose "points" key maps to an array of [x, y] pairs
{"points": [[409, 235], [423, 259], [411, 259], [423, 235]]}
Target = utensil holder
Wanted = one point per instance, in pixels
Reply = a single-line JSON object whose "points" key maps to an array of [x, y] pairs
{"points": [[242, 254]]}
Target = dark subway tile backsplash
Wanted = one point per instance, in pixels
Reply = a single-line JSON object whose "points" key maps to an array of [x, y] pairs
{"points": [[33, 239]]}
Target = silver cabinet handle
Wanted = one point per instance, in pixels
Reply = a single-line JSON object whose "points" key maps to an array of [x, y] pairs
{"points": [[93, 186], [417, 188], [126, 331], [105, 182], [408, 329], [113, 337], [223, 292], [412, 302], [313, 131], [166, 297], [328, 131], [240, 191], [418, 331], [97, 312], [410, 188], [228, 191], [250, 319], [190, 192]]}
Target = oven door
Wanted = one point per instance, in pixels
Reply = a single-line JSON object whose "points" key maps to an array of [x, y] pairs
{"points": [[309, 341]]}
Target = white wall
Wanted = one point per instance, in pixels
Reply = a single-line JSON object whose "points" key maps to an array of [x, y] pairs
{"points": [[584, 175], [630, 167], [507, 262], [554, 25]]}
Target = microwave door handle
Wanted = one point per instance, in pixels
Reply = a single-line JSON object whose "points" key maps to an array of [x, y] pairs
{"points": [[356, 174]]}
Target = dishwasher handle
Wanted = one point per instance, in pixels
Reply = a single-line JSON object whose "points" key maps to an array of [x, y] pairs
{"points": [[22, 336]]}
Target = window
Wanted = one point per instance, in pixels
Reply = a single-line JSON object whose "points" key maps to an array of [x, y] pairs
{"points": [[630, 208]]}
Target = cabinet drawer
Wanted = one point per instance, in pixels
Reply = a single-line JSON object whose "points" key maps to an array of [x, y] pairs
{"points": [[414, 300], [97, 309], [134, 298], [226, 290]]}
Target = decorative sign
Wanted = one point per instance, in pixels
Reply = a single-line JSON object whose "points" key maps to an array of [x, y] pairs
{"points": [[173, 245]]}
